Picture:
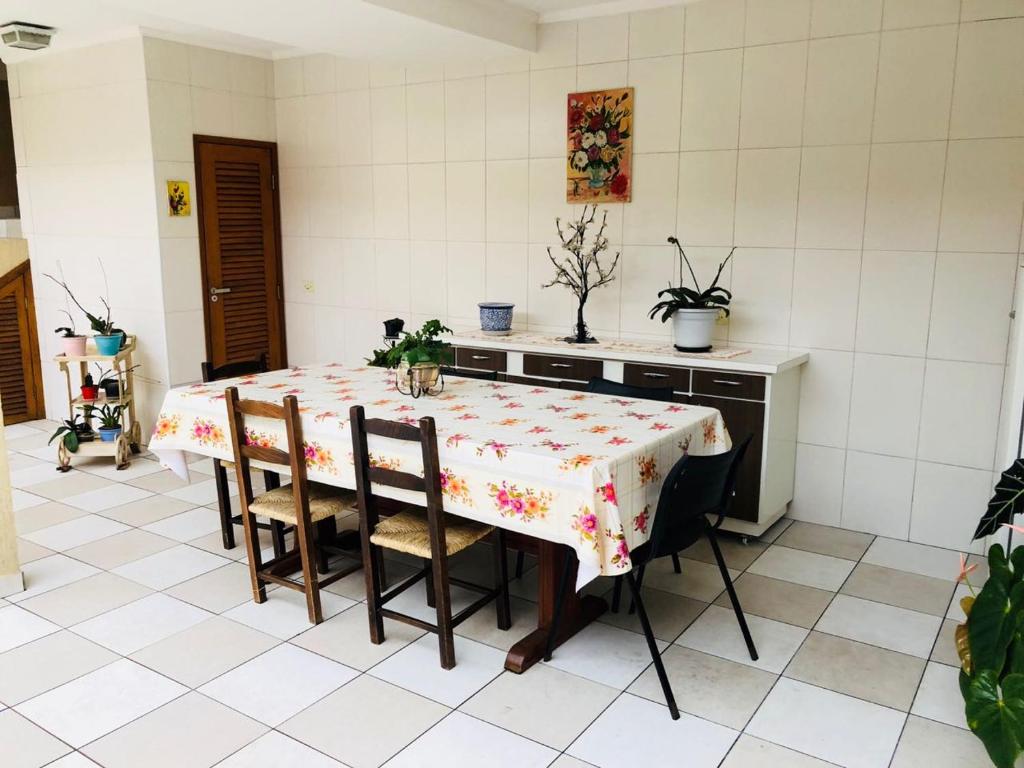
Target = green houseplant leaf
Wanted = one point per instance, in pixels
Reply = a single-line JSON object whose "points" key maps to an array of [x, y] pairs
{"points": [[1006, 503], [995, 712]]}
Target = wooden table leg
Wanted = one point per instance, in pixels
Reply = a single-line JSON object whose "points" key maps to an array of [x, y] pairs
{"points": [[577, 612]]}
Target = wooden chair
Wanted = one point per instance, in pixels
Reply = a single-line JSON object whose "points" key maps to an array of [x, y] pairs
{"points": [[425, 532], [301, 503], [271, 480], [696, 487]]}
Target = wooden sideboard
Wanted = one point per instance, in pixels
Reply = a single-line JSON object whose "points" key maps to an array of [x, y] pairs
{"points": [[757, 392]]}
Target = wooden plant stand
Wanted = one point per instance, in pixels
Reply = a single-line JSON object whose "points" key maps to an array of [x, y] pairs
{"points": [[129, 440]]}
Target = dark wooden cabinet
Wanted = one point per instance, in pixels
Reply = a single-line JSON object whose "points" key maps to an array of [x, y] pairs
{"points": [[482, 359], [742, 418], [569, 368], [727, 384], [656, 376]]}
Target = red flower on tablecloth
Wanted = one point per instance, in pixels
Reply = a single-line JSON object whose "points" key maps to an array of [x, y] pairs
{"points": [[525, 504], [621, 556], [206, 432], [579, 396], [710, 431], [499, 396], [622, 402], [403, 408], [513, 404], [619, 441], [454, 440], [318, 458], [382, 401], [457, 408], [455, 487], [467, 417], [538, 391], [674, 408], [558, 408], [659, 426], [576, 462], [607, 492], [509, 422], [537, 430], [294, 391], [259, 439], [166, 424], [279, 385], [640, 521], [553, 445], [648, 467], [639, 416], [499, 449], [585, 524], [324, 415], [412, 421]]}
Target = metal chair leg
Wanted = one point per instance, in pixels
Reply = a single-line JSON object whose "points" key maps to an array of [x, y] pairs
{"points": [[563, 585], [227, 525], [713, 539], [639, 584], [676, 565], [617, 594], [659, 666]]}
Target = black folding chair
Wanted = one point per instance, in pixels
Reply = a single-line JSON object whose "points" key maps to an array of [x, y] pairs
{"points": [[469, 373], [609, 387], [697, 486]]}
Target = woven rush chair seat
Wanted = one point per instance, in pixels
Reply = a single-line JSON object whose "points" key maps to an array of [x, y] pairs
{"points": [[324, 501], [408, 531]]}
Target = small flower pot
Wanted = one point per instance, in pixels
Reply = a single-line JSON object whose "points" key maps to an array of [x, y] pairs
{"points": [[90, 393], [112, 389], [393, 327], [73, 346], [109, 434], [693, 328], [108, 345], [496, 317]]}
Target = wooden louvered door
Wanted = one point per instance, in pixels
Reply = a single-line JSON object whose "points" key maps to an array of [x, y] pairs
{"points": [[241, 251], [21, 384]]}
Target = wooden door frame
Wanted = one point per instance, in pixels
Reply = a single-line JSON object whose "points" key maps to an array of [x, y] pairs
{"points": [[198, 139], [33, 376]]}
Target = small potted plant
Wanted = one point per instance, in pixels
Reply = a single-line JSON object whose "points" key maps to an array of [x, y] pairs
{"points": [[108, 339], [110, 380], [110, 421], [694, 311], [72, 432], [90, 389], [72, 343], [417, 358]]}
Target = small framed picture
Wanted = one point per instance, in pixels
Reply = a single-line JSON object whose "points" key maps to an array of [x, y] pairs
{"points": [[179, 199]]}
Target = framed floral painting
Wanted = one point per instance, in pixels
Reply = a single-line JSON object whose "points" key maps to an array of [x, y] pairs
{"points": [[600, 146]]}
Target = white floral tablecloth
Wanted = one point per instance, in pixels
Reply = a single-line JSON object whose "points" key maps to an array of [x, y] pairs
{"points": [[570, 467]]}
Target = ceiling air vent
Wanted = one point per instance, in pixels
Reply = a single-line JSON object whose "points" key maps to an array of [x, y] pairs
{"points": [[31, 37]]}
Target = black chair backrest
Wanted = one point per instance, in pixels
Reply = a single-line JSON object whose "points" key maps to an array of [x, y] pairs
{"points": [[608, 387], [467, 373], [696, 486], [231, 370], [367, 474]]}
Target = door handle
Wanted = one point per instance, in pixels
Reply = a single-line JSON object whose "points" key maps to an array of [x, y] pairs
{"points": [[215, 293]]}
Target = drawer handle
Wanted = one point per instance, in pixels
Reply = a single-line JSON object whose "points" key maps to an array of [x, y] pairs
{"points": [[653, 375], [560, 365], [480, 357], [727, 382]]}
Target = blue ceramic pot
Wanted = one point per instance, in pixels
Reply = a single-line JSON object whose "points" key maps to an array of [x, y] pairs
{"points": [[108, 345], [109, 434], [495, 316]]}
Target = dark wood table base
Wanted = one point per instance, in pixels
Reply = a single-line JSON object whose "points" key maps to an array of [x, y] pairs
{"points": [[577, 612]]}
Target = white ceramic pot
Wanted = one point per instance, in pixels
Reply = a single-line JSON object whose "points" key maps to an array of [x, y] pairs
{"points": [[693, 328]]}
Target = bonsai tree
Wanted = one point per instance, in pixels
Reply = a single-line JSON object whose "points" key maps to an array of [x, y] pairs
{"points": [[423, 346], [990, 643], [582, 271], [682, 297]]}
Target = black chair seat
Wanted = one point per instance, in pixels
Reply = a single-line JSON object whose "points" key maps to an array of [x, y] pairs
{"points": [[601, 386]]}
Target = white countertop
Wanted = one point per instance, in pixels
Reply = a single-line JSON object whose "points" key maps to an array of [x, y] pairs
{"points": [[766, 361]]}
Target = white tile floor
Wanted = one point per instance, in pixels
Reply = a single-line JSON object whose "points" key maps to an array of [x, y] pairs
{"points": [[137, 643]]}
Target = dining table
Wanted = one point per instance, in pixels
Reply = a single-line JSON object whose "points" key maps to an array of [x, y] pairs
{"points": [[568, 471]]}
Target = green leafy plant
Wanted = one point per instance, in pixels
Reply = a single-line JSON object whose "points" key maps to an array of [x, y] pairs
{"points": [[990, 643], [69, 431], [423, 346], [108, 415], [682, 297], [101, 325]]}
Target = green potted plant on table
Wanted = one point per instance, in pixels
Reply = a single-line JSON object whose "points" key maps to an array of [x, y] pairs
{"points": [[990, 643], [72, 342], [417, 359], [110, 421], [694, 311]]}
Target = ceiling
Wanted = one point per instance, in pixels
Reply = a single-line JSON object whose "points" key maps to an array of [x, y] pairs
{"points": [[406, 30]]}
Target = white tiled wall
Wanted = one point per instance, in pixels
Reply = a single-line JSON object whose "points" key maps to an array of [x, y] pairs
{"points": [[866, 157], [194, 90]]}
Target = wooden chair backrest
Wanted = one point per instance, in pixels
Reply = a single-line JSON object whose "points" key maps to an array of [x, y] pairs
{"points": [[213, 372], [244, 453], [367, 475]]}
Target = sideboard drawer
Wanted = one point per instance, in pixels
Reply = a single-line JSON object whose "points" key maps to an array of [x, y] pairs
{"points": [[572, 368], [727, 384], [485, 359], [656, 376]]}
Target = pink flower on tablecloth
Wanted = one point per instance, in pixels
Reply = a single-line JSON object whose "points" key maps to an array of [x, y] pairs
{"points": [[206, 432], [674, 408], [607, 492], [319, 458], [454, 440], [524, 504], [537, 430], [455, 487], [619, 441], [584, 523], [621, 556], [499, 449], [468, 417], [640, 521], [659, 426], [639, 416], [554, 446]]}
